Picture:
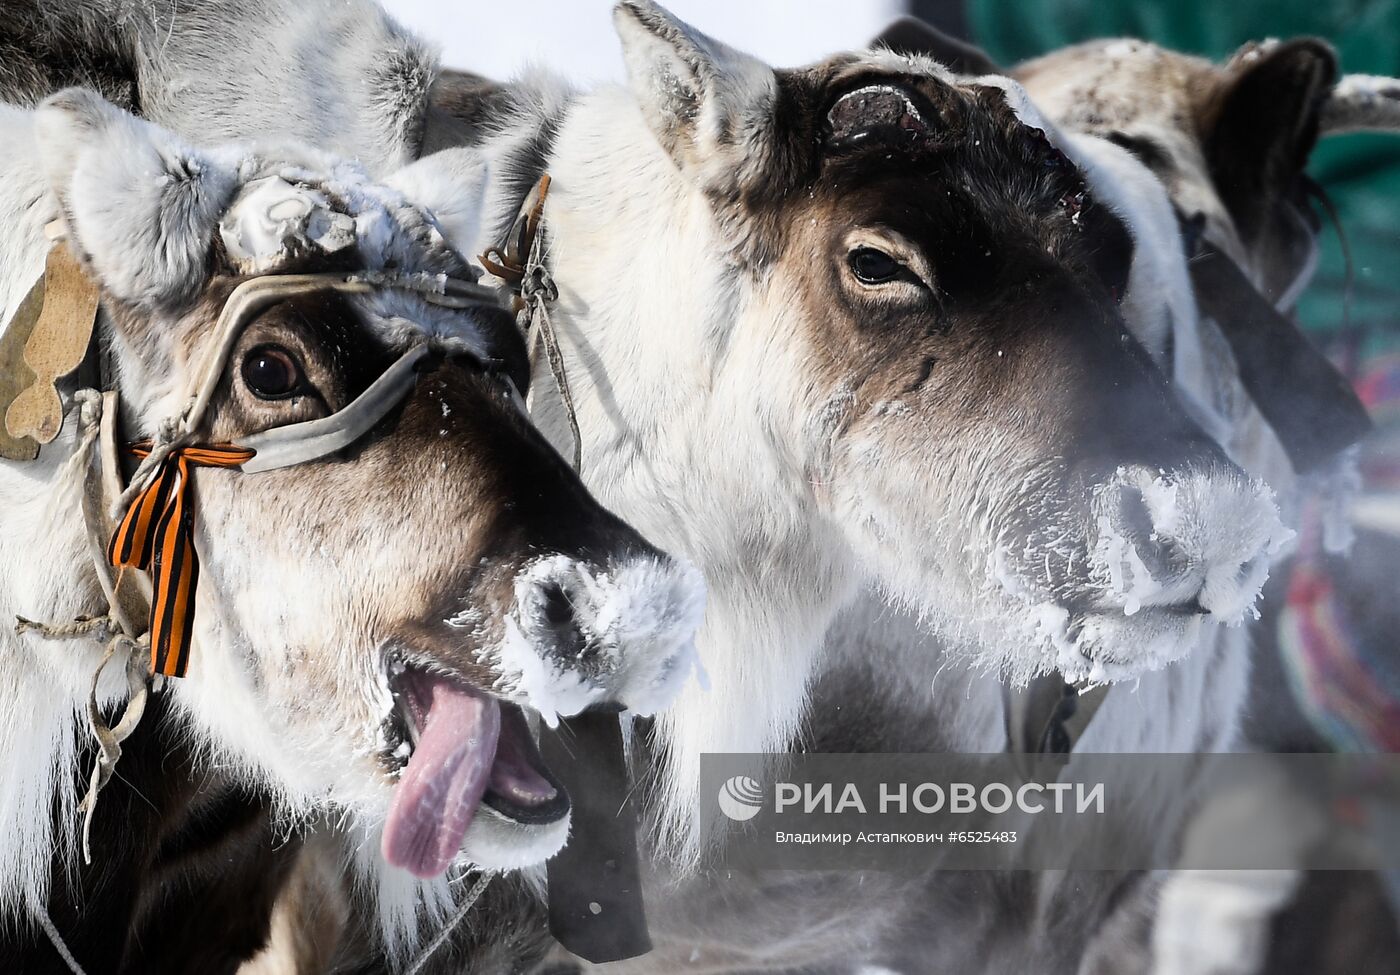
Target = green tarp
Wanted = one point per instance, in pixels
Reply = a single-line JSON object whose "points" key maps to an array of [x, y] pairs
{"points": [[1360, 172]]}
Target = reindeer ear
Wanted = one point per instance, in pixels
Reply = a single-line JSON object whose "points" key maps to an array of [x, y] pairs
{"points": [[910, 35], [711, 107], [451, 184], [1263, 123], [142, 208]]}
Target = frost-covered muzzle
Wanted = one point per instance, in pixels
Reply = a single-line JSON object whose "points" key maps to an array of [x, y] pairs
{"points": [[1164, 553], [576, 636], [581, 636]]}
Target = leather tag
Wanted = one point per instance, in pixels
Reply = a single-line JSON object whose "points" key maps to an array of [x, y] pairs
{"points": [[595, 887], [56, 346], [15, 376]]}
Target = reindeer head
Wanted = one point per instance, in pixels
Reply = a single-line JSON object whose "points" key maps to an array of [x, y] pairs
{"points": [[925, 327], [1230, 143], [373, 626]]}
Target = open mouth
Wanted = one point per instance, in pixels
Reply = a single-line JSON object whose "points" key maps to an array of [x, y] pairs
{"points": [[457, 749]]}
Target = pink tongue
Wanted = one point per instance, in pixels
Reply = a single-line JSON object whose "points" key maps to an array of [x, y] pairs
{"points": [[442, 786]]}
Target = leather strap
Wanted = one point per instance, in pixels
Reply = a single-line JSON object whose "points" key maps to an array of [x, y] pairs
{"points": [[1048, 717], [596, 909], [508, 259], [1308, 402]]}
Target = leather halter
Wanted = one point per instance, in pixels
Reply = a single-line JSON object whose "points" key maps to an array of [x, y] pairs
{"points": [[153, 514], [519, 261]]}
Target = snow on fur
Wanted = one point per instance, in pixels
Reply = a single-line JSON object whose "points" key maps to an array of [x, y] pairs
{"points": [[642, 603]]}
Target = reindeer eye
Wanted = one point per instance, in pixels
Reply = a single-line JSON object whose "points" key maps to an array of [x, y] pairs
{"points": [[873, 267], [271, 372]]}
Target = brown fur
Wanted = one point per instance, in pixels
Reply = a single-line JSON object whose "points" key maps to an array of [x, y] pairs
{"points": [[1228, 141], [186, 865]]}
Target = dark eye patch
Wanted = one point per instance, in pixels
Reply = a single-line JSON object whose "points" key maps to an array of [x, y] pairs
{"points": [[1147, 152]]}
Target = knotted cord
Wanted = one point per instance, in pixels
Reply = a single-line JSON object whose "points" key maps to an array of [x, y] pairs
{"points": [[112, 628], [537, 290], [440, 939]]}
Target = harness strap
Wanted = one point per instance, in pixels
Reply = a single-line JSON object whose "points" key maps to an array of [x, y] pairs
{"points": [[508, 259], [519, 261], [538, 290], [300, 443], [1048, 717], [157, 533]]}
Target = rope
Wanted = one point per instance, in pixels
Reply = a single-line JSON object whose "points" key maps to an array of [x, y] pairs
{"points": [[110, 737], [472, 897], [107, 628], [537, 290], [81, 626], [46, 924]]}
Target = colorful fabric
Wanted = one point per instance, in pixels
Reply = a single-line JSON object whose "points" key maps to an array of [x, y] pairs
{"points": [[1348, 687], [157, 534]]}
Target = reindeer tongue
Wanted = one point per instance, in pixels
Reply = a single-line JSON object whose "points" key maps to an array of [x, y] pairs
{"points": [[441, 788]]}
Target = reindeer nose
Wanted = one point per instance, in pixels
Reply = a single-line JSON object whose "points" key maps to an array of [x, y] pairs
{"points": [[611, 635], [559, 616], [1195, 539], [1132, 520]]}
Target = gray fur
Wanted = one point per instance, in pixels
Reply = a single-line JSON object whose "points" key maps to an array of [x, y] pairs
{"points": [[191, 64]]}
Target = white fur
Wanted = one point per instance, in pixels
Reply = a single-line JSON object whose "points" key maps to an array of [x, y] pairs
{"points": [[141, 205], [452, 184], [682, 447], [688, 449], [707, 102]]}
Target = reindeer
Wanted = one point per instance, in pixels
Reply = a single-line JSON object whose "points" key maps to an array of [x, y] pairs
{"points": [[819, 327], [396, 573], [1230, 143], [1271, 426], [1284, 412]]}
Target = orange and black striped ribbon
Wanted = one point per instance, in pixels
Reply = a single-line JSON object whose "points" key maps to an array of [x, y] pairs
{"points": [[157, 533]]}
